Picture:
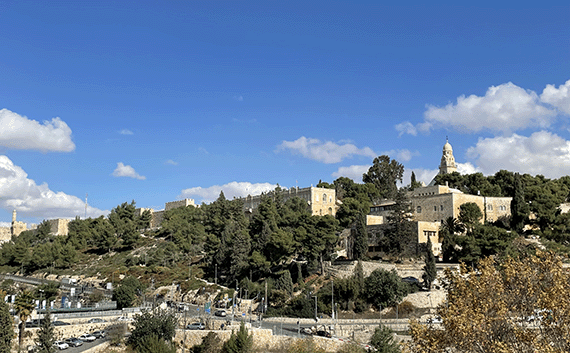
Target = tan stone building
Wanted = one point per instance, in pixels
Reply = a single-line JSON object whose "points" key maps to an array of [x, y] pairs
{"points": [[322, 201], [158, 216], [433, 204], [58, 226]]}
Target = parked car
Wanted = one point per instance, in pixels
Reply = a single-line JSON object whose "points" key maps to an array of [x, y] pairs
{"points": [[221, 313], [87, 337], [61, 323], [435, 320], [99, 334], [196, 326], [306, 331], [60, 345], [96, 320], [124, 318], [74, 342], [323, 333]]}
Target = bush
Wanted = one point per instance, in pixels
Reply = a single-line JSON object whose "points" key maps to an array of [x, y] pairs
{"points": [[160, 323], [154, 344], [210, 344], [239, 342], [306, 345], [383, 340]]}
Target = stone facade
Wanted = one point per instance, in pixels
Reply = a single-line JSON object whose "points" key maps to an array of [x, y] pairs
{"points": [[180, 203], [158, 216], [322, 201], [58, 226], [437, 203]]}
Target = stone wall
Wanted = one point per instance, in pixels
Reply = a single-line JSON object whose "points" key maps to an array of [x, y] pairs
{"points": [[58, 226], [263, 339], [5, 234], [180, 203]]}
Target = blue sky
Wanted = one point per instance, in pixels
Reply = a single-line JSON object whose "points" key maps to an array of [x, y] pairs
{"points": [[157, 101]]}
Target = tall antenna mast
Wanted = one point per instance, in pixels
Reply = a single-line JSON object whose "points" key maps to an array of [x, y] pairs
{"points": [[85, 206]]}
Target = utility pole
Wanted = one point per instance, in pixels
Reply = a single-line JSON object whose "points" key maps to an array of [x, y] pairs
{"points": [[216, 275]]}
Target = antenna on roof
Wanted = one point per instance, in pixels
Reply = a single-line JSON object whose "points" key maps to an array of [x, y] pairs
{"points": [[85, 206]]}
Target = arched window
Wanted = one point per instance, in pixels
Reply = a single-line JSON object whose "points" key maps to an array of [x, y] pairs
{"points": [[419, 209], [324, 198]]}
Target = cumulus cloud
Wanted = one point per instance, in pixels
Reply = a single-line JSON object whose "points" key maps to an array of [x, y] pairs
{"points": [[325, 152], [541, 153], [127, 171], [19, 192], [231, 190], [126, 132], [19, 132], [422, 175], [468, 168], [558, 97], [171, 162], [353, 172], [406, 128], [504, 108]]}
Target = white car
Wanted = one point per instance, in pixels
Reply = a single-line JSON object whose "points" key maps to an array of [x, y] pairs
{"points": [[60, 345], [124, 318], [87, 337]]}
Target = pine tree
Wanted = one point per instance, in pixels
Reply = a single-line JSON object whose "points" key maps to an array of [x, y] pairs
{"points": [[6, 328], [45, 338], [383, 340]]}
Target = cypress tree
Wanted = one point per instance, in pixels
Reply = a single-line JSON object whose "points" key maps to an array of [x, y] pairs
{"points": [[519, 208], [430, 271]]}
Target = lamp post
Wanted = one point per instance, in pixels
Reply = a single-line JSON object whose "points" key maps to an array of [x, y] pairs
{"points": [[316, 318]]}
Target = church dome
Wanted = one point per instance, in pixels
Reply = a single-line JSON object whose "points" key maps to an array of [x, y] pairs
{"points": [[447, 147]]}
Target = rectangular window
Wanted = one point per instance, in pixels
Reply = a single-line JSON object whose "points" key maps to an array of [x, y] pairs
{"points": [[419, 209], [435, 208], [490, 207], [441, 207]]}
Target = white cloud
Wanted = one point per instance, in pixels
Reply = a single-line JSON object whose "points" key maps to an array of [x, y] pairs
{"points": [[19, 132], [325, 152], [231, 190], [127, 171], [126, 132], [32, 200], [353, 172], [467, 168], [5, 224], [425, 175], [406, 128], [504, 108], [557, 97], [542, 153], [171, 162]]}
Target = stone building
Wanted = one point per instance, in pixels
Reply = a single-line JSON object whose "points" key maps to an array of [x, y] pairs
{"points": [[433, 204], [322, 201], [158, 216], [16, 227], [58, 226]]}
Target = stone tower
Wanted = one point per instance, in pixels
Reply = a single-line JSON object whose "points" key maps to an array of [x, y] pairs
{"points": [[447, 165], [14, 216]]}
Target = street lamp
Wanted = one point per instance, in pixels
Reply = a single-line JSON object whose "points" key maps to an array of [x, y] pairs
{"points": [[316, 318]]}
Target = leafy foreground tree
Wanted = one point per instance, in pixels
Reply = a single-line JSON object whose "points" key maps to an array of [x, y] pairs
{"points": [[385, 288], [45, 338], [383, 340], [515, 306], [240, 342], [6, 328], [158, 323]]}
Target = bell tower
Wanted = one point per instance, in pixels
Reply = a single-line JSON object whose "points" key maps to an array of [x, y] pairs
{"points": [[447, 165]]}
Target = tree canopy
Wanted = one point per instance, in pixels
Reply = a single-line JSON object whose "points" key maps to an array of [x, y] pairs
{"points": [[516, 305]]}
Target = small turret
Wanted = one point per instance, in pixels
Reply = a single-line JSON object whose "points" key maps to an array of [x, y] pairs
{"points": [[14, 216]]}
